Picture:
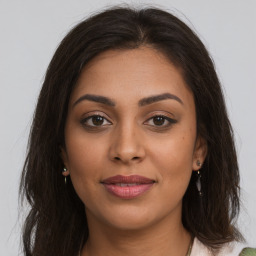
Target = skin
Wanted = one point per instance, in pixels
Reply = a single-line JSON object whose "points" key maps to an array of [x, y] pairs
{"points": [[130, 141]]}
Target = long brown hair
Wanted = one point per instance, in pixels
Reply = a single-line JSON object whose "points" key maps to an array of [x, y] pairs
{"points": [[56, 224]]}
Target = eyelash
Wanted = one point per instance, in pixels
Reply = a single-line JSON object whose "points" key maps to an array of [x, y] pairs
{"points": [[168, 119]]}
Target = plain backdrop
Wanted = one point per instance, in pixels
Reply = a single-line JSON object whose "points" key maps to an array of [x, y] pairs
{"points": [[30, 32]]}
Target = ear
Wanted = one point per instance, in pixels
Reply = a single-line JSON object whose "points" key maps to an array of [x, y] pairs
{"points": [[200, 152], [64, 158]]}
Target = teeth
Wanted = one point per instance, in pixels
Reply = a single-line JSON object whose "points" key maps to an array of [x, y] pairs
{"points": [[127, 184]]}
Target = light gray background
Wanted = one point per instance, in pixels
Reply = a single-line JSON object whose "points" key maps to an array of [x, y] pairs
{"points": [[30, 32]]}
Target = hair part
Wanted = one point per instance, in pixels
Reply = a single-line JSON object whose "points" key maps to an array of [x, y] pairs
{"points": [[56, 224]]}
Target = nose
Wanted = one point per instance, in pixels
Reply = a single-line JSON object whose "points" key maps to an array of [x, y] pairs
{"points": [[126, 146]]}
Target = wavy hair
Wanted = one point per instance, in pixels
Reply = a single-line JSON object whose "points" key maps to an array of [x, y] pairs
{"points": [[56, 223]]}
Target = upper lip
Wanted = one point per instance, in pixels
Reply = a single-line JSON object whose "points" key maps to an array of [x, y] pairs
{"points": [[127, 179]]}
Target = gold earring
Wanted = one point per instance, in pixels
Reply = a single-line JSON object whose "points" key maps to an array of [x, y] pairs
{"points": [[63, 171]]}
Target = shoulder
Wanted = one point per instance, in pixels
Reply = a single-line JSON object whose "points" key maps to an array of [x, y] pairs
{"points": [[248, 252], [231, 249]]}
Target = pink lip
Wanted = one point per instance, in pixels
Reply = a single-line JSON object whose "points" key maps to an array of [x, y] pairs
{"points": [[143, 184]]}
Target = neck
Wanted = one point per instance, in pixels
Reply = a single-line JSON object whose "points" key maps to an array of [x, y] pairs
{"points": [[159, 239]]}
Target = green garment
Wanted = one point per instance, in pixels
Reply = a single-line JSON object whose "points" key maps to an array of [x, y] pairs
{"points": [[248, 252]]}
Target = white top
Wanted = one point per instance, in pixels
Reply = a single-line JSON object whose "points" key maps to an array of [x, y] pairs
{"points": [[231, 249]]}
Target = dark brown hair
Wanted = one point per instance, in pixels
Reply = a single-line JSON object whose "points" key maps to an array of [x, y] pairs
{"points": [[56, 224]]}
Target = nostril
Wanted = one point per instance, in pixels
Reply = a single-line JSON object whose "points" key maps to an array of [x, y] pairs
{"points": [[134, 158]]}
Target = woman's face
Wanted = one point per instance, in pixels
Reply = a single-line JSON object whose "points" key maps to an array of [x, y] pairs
{"points": [[131, 141]]}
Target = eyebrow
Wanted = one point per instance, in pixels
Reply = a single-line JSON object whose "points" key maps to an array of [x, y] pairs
{"points": [[143, 102], [96, 98], [155, 98]]}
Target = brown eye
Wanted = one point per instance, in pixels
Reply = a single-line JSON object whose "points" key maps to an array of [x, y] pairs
{"points": [[94, 121], [97, 120], [158, 120]]}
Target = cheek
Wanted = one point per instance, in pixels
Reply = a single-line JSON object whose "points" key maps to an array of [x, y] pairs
{"points": [[174, 164], [176, 149], [82, 156], [173, 158], [84, 162]]}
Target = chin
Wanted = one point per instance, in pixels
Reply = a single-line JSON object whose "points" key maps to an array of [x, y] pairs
{"points": [[129, 224], [131, 219]]}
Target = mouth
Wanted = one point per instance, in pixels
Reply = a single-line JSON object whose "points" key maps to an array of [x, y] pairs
{"points": [[127, 187]]}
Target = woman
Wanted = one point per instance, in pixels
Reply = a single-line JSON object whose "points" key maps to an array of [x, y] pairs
{"points": [[131, 151]]}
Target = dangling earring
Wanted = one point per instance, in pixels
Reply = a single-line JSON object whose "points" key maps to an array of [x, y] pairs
{"points": [[63, 171], [198, 182]]}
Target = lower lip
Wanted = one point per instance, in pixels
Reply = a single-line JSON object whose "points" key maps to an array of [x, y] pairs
{"points": [[128, 192]]}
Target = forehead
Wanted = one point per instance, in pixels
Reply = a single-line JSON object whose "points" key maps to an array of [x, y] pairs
{"points": [[131, 74]]}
